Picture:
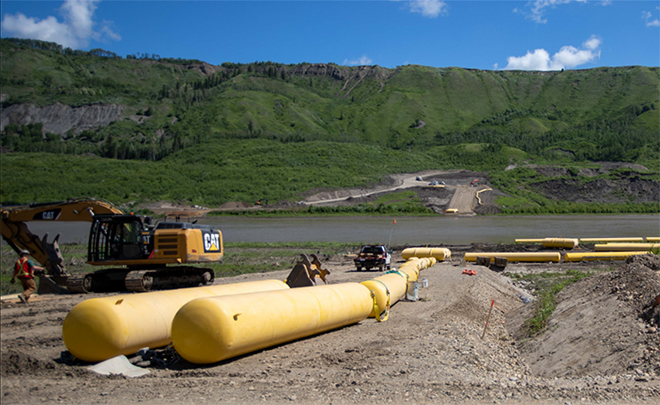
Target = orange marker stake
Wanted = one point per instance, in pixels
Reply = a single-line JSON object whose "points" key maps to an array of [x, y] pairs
{"points": [[488, 318]]}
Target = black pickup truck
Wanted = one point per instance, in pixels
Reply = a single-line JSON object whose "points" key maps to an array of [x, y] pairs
{"points": [[373, 256]]}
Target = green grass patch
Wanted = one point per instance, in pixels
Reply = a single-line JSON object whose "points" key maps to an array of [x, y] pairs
{"points": [[565, 207], [395, 197], [547, 285]]}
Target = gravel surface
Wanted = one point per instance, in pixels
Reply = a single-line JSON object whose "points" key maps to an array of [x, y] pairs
{"points": [[428, 351]]}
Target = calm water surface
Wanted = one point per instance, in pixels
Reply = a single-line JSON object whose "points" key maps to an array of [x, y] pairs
{"points": [[433, 230], [408, 230]]}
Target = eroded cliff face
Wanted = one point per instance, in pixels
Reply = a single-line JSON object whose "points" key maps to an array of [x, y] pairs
{"points": [[60, 118]]}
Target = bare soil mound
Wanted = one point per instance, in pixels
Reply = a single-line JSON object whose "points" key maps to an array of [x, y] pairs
{"points": [[458, 178], [488, 206], [601, 190], [606, 324], [235, 205]]}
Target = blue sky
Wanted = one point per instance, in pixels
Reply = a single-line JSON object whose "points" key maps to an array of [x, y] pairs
{"points": [[534, 35]]}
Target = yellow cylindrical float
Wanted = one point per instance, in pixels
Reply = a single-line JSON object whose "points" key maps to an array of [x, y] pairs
{"points": [[626, 247], [516, 257], [591, 256], [593, 240], [411, 273], [415, 265], [439, 254], [388, 290], [560, 243], [569, 243], [529, 240], [208, 330], [100, 328], [391, 287], [652, 239]]}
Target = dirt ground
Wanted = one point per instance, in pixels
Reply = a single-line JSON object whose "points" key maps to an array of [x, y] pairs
{"points": [[601, 347]]}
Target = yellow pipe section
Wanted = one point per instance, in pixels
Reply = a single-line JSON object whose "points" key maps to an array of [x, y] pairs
{"points": [[560, 243], [439, 254], [626, 247], [410, 273], [652, 239], [208, 330], [481, 191], [592, 240], [415, 265], [100, 328], [591, 256], [552, 242], [391, 287], [516, 257], [388, 289]]}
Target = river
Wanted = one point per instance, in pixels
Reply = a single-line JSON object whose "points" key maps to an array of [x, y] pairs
{"points": [[408, 230]]}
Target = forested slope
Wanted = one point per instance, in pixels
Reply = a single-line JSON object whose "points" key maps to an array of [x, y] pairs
{"points": [[146, 108]]}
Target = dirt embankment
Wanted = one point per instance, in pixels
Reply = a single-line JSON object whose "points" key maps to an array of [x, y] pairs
{"points": [[632, 189], [604, 325], [626, 186], [428, 351], [59, 118]]}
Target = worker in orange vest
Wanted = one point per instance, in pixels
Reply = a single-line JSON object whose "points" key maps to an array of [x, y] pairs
{"points": [[24, 270]]}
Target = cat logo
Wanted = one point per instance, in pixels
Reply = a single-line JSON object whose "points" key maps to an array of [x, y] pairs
{"points": [[49, 215], [211, 242]]}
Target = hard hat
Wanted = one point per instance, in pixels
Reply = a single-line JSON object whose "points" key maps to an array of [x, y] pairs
{"points": [[25, 252]]}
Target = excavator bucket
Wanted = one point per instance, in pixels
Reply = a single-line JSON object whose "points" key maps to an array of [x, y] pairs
{"points": [[48, 286], [304, 273]]}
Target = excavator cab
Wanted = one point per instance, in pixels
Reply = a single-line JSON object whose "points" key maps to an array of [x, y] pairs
{"points": [[118, 237], [136, 254]]}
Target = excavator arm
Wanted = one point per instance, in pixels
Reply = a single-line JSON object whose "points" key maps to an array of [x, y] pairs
{"points": [[16, 233]]}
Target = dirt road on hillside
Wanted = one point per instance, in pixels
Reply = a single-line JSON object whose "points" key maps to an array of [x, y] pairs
{"points": [[399, 181], [428, 351], [464, 200]]}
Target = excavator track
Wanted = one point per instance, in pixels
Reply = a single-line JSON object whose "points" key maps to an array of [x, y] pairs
{"points": [[139, 281], [81, 283], [122, 279], [170, 277]]}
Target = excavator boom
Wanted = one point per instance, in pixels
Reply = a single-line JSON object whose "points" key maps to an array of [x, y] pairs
{"points": [[16, 233]]}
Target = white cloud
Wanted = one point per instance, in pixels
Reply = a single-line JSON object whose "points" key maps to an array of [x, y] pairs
{"points": [[74, 32], [361, 61], [567, 57], [428, 8], [107, 31], [648, 17], [538, 8], [592, 43]]}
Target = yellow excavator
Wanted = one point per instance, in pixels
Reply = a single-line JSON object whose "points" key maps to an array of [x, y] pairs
{"points": [[142, 248]]}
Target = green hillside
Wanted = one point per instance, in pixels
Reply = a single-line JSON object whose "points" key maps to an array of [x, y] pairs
{"points": [[226, 170], [245, 131]]}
